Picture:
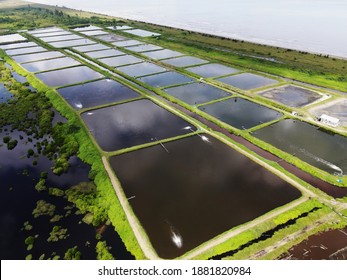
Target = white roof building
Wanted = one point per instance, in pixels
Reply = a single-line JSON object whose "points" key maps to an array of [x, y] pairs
{"points": [[329, 120]]}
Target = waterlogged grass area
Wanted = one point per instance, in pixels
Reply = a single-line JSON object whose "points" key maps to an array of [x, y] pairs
{"points": [[175, 108]]}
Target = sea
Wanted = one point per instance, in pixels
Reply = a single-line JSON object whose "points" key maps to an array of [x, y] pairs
{"points": [[318, 26]]}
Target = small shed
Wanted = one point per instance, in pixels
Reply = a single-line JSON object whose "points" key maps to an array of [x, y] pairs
{"points": [[329, 120]]}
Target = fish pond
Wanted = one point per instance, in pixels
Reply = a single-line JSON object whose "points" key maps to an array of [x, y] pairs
{"points": [[36, 56], [50, 64], [247, 81], [162, 54], [241, 113], [120, 60], [68, 76], [184, 61], [322, 149], [104, 53], [141, 69], [196, 93], [212, 70], [4, 94], [143, 48], [127, 43], [96, 93], [165, 79], [197, 190], [133, 123]]}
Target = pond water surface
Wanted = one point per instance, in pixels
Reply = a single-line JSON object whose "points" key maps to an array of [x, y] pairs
{"points": [[61, 38], [127, 43], [184, 61], [50, 64], [142, 33], [18, 45], [324, 150], [110, 38], [36, 56], [144, 48], [241, 113], [71, 43], [104, 53], [212, 70], [120, 60], [165, 79], [25, 50], [196, 191], [247, 81], [89, 48], [68, 76], [133, 123], [141, 69], [4, 94], [197, 93], [96, 93], [162, 54]]}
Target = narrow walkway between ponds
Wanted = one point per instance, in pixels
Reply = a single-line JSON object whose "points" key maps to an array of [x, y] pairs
{"points": [[136, 227]]}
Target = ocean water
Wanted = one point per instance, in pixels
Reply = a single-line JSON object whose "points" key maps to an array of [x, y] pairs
{"points": [[309, 25]]}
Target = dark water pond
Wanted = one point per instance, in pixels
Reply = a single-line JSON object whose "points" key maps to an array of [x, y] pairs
{"points": [[68, 76], [184, 61], [212, 70], [241, 113], [25, 50], [247, 81], [18, 45], [196, 191], [96, 93], [51, 34], [89, 48], [197, 93], [110, 38], [104, 53], [127, 43], [120, 60], [19, 197], [72, 43], [291, 95], [19, 78], [162, 54], [324, 150], [166, 79], [134, 123], [141, 69], [4, 94], [324, 245], [144, 48], [94, 32], [36, 56], [50, 64], [142, 33], [61, 38]]}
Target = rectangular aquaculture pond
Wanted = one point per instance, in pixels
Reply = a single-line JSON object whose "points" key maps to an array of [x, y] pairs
{"points": [[86, 28], [247, 81], [143, 48], [68, 76], [61, 38], [162, 54], [89, 48], [123, 27], [184, 61], [37, 56], [142, 33], [94, 32], [18, 45], [12, 38], [25, 50], [50, 34], [212, 70], [241, 113], [104, 53], [50, 64], [133, 123], [110, 38], [127, 43], [96, 93], [322, 149], [197, 93], [71, 43], [165, 79], [291, 95], [141, 69], [197, 190], [45, 30], [120, 60]]}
